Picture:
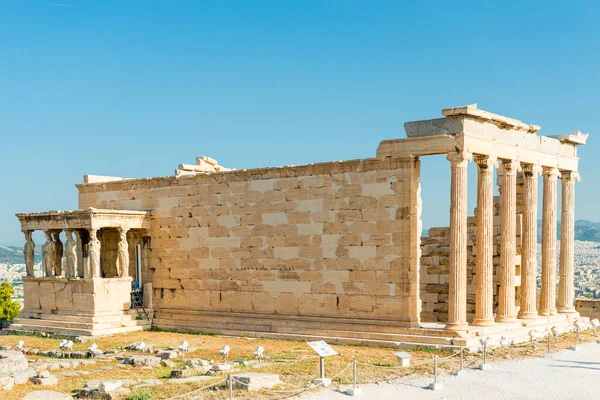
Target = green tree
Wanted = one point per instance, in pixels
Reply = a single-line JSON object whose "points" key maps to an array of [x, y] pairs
{"points": [[9, 309]]}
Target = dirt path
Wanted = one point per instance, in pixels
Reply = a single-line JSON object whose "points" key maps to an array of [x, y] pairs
{"points": [[569, 375]]}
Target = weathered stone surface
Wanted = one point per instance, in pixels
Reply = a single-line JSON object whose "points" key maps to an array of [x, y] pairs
{"points": [[255, 381], [22, 377], [221, 367], [46, 395], [142, 360], [6, 382]]}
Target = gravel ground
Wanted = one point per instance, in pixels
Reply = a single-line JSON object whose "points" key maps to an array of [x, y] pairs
{"points": [[569, 375]]}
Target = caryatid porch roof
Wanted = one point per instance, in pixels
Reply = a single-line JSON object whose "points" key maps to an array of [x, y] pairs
{"points": [[477, 131], [90, 218]]}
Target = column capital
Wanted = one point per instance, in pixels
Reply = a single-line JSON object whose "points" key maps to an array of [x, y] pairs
{"points": [[531, 169], [570, 175], [551, 172], [459, 157], [485, 161], [510, 166]]}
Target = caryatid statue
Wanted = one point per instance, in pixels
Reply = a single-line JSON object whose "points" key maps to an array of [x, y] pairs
{"points": [[94, 255], [70, 255], [28, 253], [58, 253], [122, 254], [48, 255]]}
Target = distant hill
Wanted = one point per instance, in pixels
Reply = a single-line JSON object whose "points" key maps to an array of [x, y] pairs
{"points": [[587, 230], [14, 255], [584, 230]]}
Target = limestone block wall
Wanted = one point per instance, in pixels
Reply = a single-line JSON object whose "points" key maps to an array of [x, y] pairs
{"points": [[588, 308], [434, 267], [336, 239], [75, 296]]}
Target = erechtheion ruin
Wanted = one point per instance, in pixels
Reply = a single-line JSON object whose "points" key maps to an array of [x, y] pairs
{"points": [[327, 250]]}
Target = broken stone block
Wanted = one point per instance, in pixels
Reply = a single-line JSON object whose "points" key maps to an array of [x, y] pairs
{"points": [[22, 377], [142, 360], [198, 361], [221, 367], [44, 378], [167, 363], [167, 354], [255, 381], [182, 373], [109, 386]]}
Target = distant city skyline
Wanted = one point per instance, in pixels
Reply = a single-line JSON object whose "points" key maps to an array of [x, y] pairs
{"points": [[134, 89]]}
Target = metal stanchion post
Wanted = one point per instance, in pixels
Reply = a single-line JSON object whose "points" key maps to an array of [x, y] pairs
{"points": [[230, 388], [322, 380], [354, 391], [461, 370], [485, 365], [435, 385], [549, 353]]}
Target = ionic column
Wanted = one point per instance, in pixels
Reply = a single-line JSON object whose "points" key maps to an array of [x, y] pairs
{"points": [[457, 260], [548, 296], [567, 241], [529, 247], [484, 269], [508, 216]]}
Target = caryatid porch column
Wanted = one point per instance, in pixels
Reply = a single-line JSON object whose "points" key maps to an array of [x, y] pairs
{"points": [[28, 253], [484, 269], [508, 217], [548, 296], [529, 247], [93, 255], [122, 254], [457, 260], [567, 242]]}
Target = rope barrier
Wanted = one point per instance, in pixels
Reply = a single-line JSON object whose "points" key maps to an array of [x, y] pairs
{"points": [[181, 396], [296, 391]]}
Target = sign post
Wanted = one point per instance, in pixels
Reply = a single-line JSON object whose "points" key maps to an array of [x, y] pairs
{"points": [[323, 350]]}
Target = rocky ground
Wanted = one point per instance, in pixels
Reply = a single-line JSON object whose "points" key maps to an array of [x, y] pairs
{"points": [[160, 371]]}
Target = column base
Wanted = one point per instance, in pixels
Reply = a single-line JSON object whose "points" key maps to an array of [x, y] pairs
{"points": [[567, 310], [457, 326], [506, 318], [547, 313], [484, 322], [528, 315]]}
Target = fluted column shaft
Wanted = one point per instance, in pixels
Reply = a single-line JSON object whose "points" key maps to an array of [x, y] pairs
{"points": [[508, 215], [567, 242], [548, 296], [484, 269], [457, 262], [529, 247]]}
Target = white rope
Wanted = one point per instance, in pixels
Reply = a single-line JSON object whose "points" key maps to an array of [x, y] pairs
{"points": [[197, 390], [311, 386]]}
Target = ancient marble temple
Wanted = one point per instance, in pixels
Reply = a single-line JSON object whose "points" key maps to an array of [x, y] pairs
{"points": [[330, 250]]}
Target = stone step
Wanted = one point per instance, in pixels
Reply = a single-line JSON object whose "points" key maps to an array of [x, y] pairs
{"points": [[270, 323], [297, 332], [80, 325], [415, 341]]}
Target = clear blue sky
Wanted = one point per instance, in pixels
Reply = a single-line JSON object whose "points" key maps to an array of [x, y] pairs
{"points": [[134, 88]]}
